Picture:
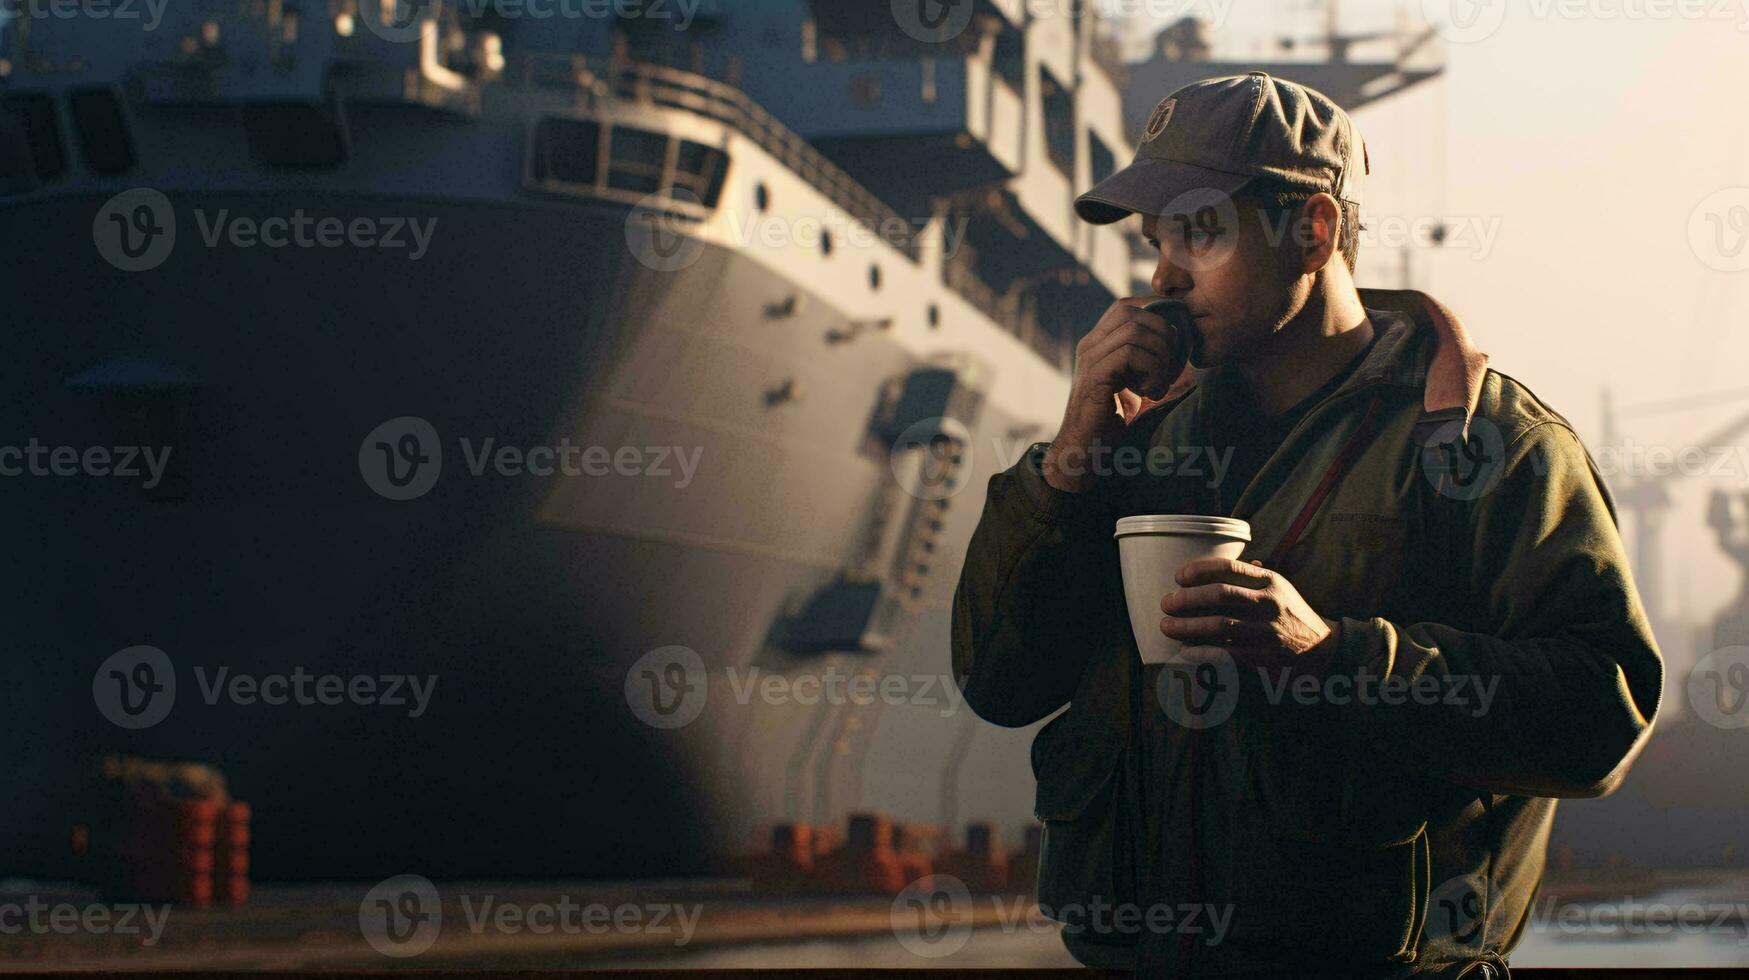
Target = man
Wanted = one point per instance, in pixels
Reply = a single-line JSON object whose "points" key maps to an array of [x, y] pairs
{"points": [[1430, 637]]}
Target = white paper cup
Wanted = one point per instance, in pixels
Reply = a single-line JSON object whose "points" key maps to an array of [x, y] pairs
{"points": [[1151, 548]]}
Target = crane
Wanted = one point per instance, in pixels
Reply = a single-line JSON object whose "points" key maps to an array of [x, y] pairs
{"points": [[1647, 495]]}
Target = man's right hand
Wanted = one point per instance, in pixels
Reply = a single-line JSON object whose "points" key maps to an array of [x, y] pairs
{"points": [[1130, 357]]}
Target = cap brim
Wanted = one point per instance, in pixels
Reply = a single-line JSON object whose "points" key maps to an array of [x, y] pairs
{"points": [[1149, 186]]}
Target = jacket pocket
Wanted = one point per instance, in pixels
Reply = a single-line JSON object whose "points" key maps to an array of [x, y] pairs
{"points": [[1077, 803], [1070, 767], [1342, 869]]}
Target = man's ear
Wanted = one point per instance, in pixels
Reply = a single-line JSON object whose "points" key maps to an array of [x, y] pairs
{"points": [[1320, 229]]}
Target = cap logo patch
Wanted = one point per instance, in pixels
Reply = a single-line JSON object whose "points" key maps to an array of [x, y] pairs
{"points": [[1161, 116]]}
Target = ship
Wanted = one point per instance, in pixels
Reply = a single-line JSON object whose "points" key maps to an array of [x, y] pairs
{"points": [[631, 384]]}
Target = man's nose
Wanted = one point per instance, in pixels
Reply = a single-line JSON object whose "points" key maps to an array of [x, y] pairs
{"points": [[1170, 279]]}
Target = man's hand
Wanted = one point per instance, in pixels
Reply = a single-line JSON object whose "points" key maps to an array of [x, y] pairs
{"points": [[1253, 614], [1130, 355]]}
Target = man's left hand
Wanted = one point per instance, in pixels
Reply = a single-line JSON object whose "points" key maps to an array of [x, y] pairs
{"points": [[1248, 612]]}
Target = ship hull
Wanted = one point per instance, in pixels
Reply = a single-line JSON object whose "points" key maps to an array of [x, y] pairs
{"points": [[523, 601]]}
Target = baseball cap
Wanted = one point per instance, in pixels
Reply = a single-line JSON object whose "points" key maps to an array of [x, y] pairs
{"points": [[1220, 134]]}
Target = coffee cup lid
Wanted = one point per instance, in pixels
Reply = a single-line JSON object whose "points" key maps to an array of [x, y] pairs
{"points": [[1184, 524]]}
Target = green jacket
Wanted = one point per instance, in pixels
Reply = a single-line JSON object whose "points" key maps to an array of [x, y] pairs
{"points": [[1392, 837]]}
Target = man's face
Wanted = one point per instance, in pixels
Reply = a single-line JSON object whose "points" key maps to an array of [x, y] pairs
{"points": [[1221, 261]]}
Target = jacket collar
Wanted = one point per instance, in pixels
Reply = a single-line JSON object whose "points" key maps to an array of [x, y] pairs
{"points": [[1422, 345]]}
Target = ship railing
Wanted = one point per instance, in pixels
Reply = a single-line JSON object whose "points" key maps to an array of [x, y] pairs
{"points": [[1005, 311], [676, 89]]}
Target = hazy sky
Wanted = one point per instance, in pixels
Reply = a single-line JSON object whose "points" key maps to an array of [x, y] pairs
{"points": [[1583, 142]]}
